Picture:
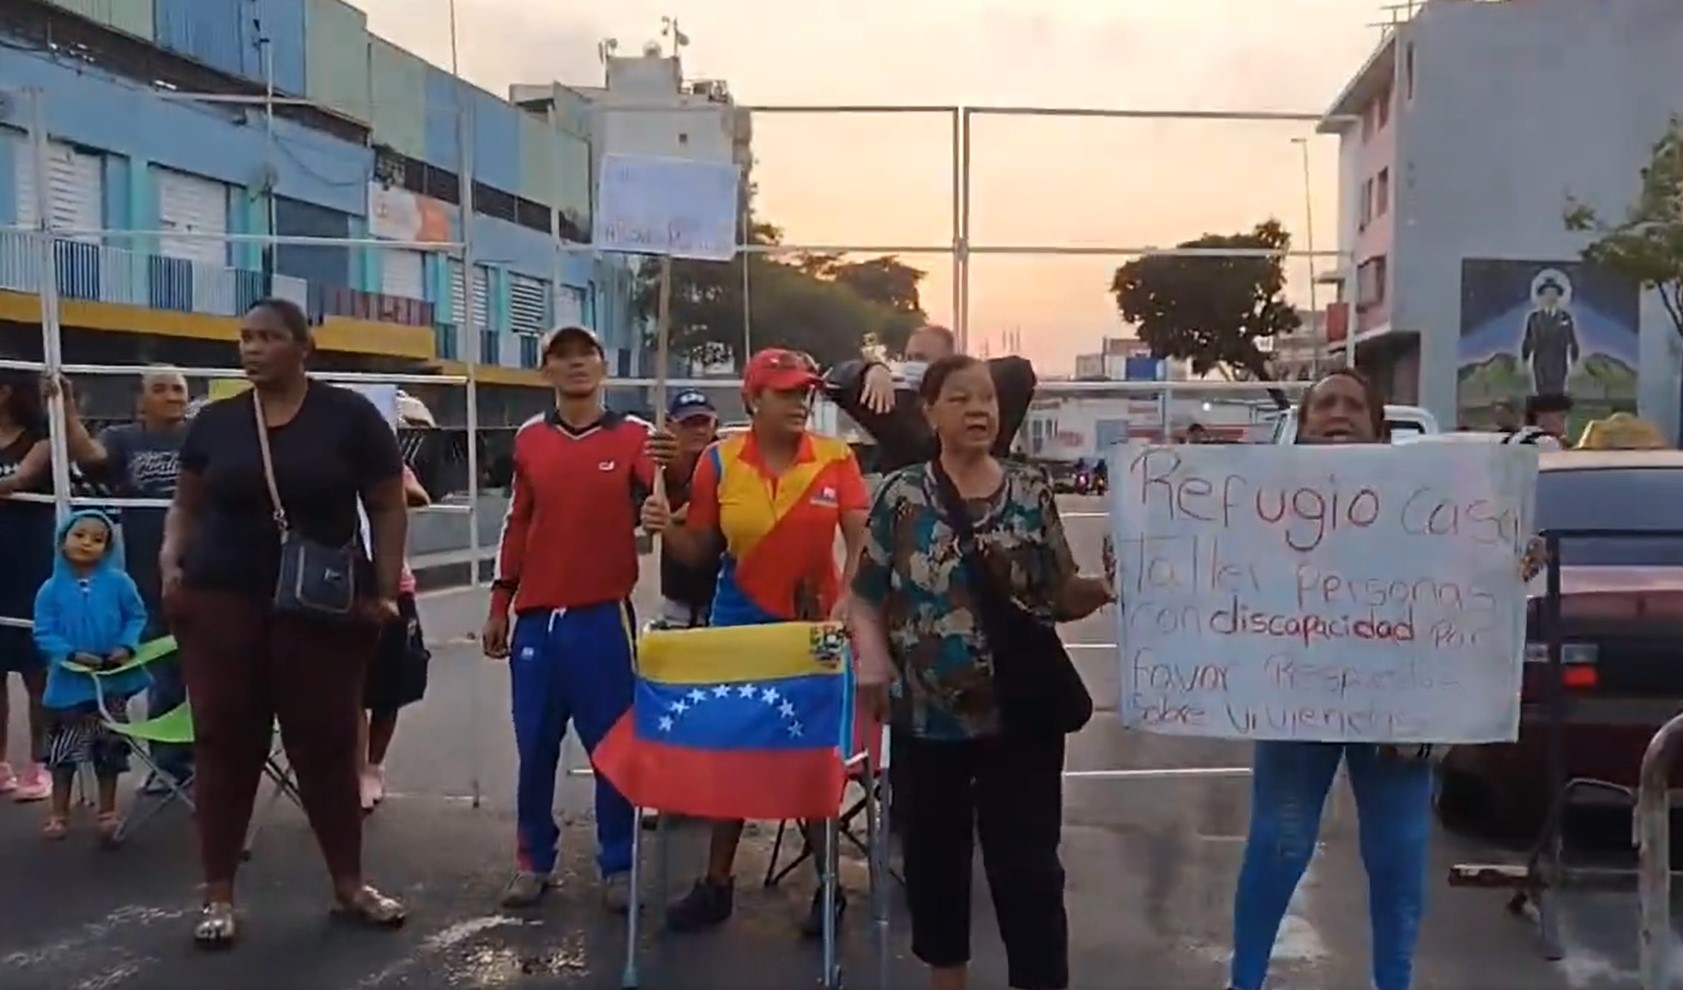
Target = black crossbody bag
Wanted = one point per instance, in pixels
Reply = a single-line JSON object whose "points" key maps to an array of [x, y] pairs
{"points": [[316, 580], [1039, 692]]}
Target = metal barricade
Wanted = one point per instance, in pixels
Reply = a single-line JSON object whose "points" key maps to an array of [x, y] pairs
{"points": [[1545, 873]]}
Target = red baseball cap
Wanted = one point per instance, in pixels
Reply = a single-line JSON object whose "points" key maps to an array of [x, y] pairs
{"points": [[781, 371]]}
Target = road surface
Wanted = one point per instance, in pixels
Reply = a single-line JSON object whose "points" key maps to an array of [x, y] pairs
{"points": [[1151, 868]]}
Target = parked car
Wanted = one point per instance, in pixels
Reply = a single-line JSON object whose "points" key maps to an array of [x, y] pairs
{"points": [[1622, 640], [1404, 421]]}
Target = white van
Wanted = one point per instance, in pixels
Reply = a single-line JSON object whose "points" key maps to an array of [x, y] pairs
{"points": [[1405, 422]]}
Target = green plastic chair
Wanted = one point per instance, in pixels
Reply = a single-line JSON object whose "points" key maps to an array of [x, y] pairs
{"points": [[174, 728]]}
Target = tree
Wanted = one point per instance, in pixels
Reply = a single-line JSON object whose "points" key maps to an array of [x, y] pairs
{"points": [[1647, 246], [819, 303], [1211, 310]]}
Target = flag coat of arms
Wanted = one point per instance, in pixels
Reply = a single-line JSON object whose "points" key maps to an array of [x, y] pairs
{"points": [[746, 722]]}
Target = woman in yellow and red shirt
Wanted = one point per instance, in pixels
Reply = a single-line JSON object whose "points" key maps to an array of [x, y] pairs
{"points": [[767, 503]]}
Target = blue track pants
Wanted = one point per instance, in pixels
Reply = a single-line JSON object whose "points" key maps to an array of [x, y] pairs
{"points": [[571, 665]]}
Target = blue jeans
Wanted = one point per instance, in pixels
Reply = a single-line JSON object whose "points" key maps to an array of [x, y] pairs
{"points": [[1289, 788], [168, 690], [571, 665]]}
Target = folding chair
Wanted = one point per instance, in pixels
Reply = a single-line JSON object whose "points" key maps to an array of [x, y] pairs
{"points": [[848, 824], [171, 728], [280, 775], [859, 764]]}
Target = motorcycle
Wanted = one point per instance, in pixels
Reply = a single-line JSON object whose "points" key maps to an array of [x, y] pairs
{"points": [[1083, 482]]}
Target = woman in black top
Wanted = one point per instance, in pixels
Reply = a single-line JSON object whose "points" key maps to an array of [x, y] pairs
{"points": [[247, 666], [26, 531]]}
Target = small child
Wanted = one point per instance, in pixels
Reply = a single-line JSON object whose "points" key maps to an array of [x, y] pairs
{"points": [[88, 614]]}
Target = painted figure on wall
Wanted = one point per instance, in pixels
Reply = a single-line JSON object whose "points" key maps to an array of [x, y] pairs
{"points": [[1549, 345], [1544, 328]]}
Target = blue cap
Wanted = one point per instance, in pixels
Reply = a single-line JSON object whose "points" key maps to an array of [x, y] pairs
{"points": [[688, 403]]}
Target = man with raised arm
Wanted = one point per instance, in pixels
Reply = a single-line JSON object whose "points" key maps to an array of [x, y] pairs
{"points": [[566, 567], [891, 413]]}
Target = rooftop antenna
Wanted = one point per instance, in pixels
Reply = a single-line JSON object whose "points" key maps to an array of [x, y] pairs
{"points": [[606, 48], [669, 29]]}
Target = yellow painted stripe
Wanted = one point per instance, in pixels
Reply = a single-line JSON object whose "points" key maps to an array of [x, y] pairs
{"points": [[337, 333], [496, 374], [738, 653]]}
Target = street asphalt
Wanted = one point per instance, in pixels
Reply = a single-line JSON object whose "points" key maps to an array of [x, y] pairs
{"points": [[1151, 861]]}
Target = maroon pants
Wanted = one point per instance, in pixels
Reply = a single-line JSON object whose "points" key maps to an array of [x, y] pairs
{"points": [[245, 669]]}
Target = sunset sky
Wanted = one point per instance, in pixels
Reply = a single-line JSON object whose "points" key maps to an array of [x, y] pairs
{"points": [[1035, 181]]}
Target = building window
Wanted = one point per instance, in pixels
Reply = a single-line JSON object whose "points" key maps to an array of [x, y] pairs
{"points": [[1366, 205], [1382, 193], [1408, 71], [1370, 283], [1384, 108]]}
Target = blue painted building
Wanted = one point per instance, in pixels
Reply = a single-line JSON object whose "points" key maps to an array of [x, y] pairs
{"points": [[375, 155]]}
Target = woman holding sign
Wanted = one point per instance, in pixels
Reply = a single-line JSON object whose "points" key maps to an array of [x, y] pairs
{"points": [[943, 540], [1290, 780]]}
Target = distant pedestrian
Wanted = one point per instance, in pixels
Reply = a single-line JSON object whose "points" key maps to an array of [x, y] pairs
{"points": [[397, 677]]}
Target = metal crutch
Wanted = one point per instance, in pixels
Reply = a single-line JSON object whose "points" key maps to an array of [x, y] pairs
{"points": [[832, 966], [628, 979], [879, 837]]}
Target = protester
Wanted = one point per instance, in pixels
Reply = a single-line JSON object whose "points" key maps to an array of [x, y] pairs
{"points": [[89, 614], [771, 500], [397, 677], [142, 460], [916, 621], [1290, 780], [26, 531], [254, 649], [687, 589], [867, 391], [1502, 413], [566, 565]]}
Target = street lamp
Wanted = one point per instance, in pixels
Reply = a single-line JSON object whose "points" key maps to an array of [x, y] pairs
{"points": [[1318, 332]]}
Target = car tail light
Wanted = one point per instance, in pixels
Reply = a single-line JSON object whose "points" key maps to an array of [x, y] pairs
{"points": [[1577, 661]]}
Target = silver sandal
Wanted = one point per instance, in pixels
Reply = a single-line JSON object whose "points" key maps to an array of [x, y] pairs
{"points": [[370, 908], [218, 926]]}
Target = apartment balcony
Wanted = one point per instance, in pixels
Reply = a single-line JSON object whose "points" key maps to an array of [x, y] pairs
{"points": [[122, 290]]}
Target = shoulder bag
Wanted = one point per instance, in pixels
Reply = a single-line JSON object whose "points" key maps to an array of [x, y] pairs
{"points": [[316, 580], [1037, 689]]}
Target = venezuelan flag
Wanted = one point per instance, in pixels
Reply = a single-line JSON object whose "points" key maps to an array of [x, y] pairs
{"points": [[741, 722]]}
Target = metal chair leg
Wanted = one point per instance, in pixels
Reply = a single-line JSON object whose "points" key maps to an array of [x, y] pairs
{"points": [[832, 966], [876, 858]]}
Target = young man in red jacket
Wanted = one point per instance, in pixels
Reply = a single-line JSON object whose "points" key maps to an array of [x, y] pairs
{"points": [[566, 567]]}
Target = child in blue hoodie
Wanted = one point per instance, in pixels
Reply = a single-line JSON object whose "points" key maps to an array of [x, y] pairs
{"points": [[88, 614]]}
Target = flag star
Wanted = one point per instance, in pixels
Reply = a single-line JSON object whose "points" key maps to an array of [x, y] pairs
{"points": [[747, 691], [795, 730], [722, 691], [680, 706], [786, 710], [770, 695], [698, 695], [666, 723]]}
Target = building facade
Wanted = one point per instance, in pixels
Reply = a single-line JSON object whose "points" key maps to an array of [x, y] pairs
{"points": [[366, 144], [1463, 138]]}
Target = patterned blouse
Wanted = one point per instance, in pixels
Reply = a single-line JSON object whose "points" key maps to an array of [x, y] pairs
{"points": [[913, 572]]}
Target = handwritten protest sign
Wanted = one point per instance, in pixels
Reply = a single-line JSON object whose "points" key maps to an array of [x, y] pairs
{"points": [[667, 206], [1339, 594]]}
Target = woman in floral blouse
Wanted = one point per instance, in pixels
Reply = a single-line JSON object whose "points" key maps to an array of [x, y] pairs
{"points": [[917, 630]]}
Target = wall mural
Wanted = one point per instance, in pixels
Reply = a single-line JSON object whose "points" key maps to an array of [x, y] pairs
{"points": [[1545, 327]]}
